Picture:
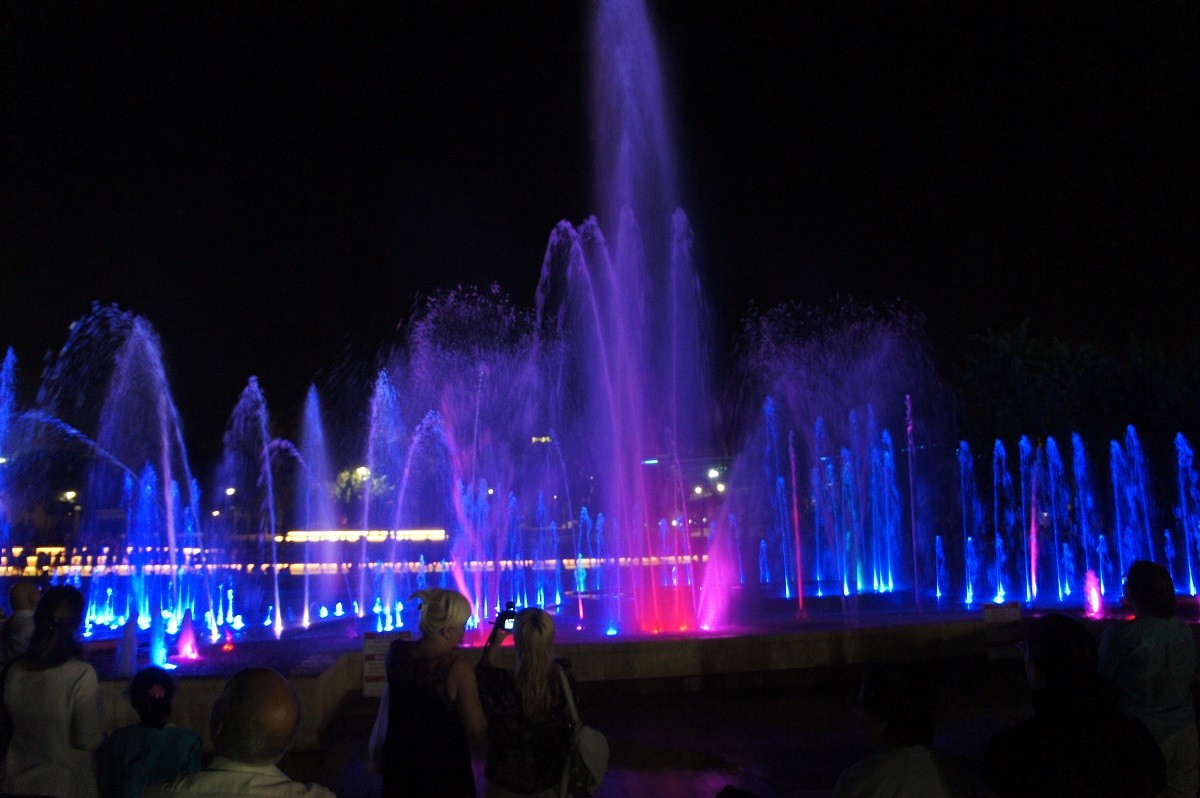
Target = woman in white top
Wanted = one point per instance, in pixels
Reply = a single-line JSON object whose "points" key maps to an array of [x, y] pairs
{"points": [[51, 696]]}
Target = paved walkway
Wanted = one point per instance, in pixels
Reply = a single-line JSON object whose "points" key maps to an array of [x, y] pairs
{"points": [[781, 735]]}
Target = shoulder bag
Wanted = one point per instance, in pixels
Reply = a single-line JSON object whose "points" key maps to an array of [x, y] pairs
{"points": [[587, 759]]}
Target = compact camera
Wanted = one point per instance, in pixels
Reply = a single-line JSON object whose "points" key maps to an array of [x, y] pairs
{"points": [[508, 618]]}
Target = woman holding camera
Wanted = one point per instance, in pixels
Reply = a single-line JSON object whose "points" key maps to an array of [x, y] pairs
{"points": [[529, 727]]}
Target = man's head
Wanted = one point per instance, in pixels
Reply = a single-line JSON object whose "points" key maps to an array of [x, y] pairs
{"points": [[23, 595], [895, 703], [1149, 588], [1060, 653], [255, 718]]}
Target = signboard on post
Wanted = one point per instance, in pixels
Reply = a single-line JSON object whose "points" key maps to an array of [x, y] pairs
{"points": [[375, 648]]}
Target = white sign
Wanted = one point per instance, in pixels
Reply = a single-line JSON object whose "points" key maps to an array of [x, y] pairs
{"points": [[375, 649]]}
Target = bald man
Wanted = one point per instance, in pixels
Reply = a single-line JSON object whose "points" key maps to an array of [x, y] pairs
{"points": [[14, 635], [254, 721]]}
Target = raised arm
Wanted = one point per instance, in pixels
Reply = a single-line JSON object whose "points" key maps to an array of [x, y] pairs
{"points": [[488, 657], [464, 691]]}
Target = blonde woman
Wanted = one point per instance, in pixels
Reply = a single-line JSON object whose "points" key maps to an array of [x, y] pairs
{"points": [[529, 727], [430, 706]]}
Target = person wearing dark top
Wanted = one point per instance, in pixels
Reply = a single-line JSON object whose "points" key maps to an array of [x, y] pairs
{"points": [[1077, 743], [134, 756], [529, 726], [895, 715], [430, 707], [1151, 664]]}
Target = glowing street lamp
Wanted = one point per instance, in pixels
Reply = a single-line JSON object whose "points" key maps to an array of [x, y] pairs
{"points": [[69, 495], [230, 491], [713, 473]]}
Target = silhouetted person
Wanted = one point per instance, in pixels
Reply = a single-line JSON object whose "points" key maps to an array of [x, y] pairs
{"points": [[51, 697], [23, 598], [430, 707], [1077, 743], [896, 714], [149, 751], [254, 721], [1151, 661]]}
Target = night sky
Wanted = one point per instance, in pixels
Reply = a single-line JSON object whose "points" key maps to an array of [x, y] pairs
{"points": [[275, 185]]}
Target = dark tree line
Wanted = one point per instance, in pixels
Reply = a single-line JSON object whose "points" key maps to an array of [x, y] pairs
{"points": [[1020, 383]]}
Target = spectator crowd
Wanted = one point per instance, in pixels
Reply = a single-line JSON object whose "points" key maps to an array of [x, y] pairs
{"points": [[1111, 717]]}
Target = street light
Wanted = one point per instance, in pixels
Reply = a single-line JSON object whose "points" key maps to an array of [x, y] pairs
{"points": [[69, 495], [230, 491]]}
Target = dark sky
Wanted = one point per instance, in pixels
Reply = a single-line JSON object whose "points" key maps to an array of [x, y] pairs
{"points": [[273, 185]]}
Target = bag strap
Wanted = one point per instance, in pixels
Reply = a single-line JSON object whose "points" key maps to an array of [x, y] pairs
{"points": [[4, 714], [570, 699], [565, 782], [4, 674]]}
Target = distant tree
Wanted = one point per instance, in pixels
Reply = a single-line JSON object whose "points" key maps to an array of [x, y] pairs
{"points": [[353, 486], [1017, 383]]}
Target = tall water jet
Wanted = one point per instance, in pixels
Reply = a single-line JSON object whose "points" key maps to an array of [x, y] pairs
{"points": [[386, 442], [1187, 511], [638, 303], [110, 377], [1132, 502], [972, 525], [246, 466], [1085, 506], [476, 362], [1057, 507], [8, 379], [1006, 524], [314, 500], [1027, 519], [139, 425]]}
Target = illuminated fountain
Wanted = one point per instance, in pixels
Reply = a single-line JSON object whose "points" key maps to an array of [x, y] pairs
{"points": [[816, 507], [8, 379], [559, 456]]}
